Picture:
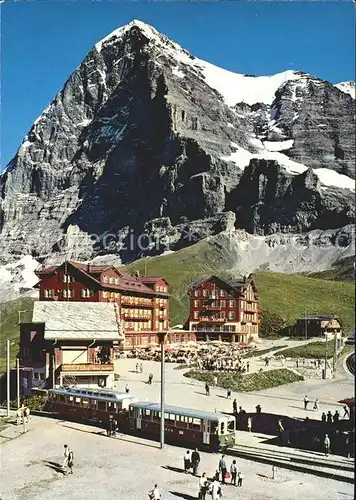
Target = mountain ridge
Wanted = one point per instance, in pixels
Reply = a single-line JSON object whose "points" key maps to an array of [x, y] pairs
{"points": [[145, 138]]}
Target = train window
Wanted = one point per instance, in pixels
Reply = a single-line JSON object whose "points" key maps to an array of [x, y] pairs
{"points": [[196, 421], [62, 398], [77, 401], [71, 399], [111, 406], [172, 416], [101, 405], [222, 428], [231, 426], [85, 401], [147, 413]]}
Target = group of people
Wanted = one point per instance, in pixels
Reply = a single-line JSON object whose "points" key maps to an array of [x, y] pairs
{"points": [[222, 475], [223, 357]]}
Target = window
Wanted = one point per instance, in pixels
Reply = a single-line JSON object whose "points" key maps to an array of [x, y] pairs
{"points": [[231, 426], [196, 314], [67, 278], [222, 428], [116, 281], [222, 303], [196, 293], [222, 315], [48, 294], [231, 315], [101, 405], [111, 281], [232, 303], [205, 293], [86, 293], [222, 293], [42, 376], [68, 294], [105, 295], [196, 303], [105, 279]]}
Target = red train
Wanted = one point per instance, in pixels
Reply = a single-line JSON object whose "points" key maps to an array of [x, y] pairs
{"points": [[183, 426]]}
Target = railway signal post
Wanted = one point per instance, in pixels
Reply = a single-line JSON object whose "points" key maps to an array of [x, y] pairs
{"points": [[162, 337]]}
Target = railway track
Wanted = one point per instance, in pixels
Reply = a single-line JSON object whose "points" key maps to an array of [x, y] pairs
{"points": [[350, 363]]}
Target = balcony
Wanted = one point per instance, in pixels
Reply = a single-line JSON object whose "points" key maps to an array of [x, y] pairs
{"points": [[136, 302], [133, 317], [212, 308], [212, 320], [87, 367]]}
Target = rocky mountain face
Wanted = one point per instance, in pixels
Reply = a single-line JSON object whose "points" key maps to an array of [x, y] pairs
{"points": [[147, 148]]}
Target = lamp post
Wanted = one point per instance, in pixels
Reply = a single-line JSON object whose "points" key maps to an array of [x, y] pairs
{"points": [[326, 354], [18, 381], [8, 377], [162, 337]]}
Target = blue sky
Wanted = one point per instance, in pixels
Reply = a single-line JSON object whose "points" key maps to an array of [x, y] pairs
{"points": [[43, 42]]}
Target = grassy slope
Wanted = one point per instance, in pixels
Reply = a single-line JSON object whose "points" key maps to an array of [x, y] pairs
{"points": [[342, 271], [287, 295], [9, 329]]}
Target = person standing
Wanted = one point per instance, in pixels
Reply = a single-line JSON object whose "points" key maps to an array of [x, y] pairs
{"points": [[316, 404], [249, 424], [326, 445], [207, 389], [234, 406], [70, 461], [233, 472], [155, 493], [150, 378], [222, 468], [187, 462], [248, 366], [329, 417], [239, 478], [203, 487], [228, 394], [127, 388], [215, 380], [110, 428], [215, 490], [323, 418], [306, 401], [258, 409], [141, 368], [137, 367], [195, 461], [65, 456]]}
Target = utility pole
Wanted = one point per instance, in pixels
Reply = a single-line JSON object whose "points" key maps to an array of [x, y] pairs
{"points": [[335, 353], [306, 327], [326, 354], [162, 336], [8, 378], [18, 381]]}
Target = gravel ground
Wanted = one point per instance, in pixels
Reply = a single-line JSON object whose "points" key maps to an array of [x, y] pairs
{"points": [[126, 468]]}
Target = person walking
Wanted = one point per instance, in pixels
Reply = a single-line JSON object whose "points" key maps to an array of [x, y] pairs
{"points": [[306, 401], [249, 424], [326, 445], [346, 412], [258, 409], [187, 462], [248, 366], [234, 407], [207, 389], [150, 378], [203, 487], [137, 367], [155, 494], [316, 404], [27, 414], [70, 461], [239, 478], [228, 394], [65, 456], [110, 428], [222, 468], [195, 461], [233, 472], [141, 368], [215, 380], [127, 388]]}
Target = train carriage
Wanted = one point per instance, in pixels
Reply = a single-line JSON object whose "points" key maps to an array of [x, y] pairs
{"points": [[198, 428], [88, 404]]}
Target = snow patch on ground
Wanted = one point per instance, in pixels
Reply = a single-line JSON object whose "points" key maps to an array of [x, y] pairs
{"points": [[177, 72], [329, 177], [278, 145]]}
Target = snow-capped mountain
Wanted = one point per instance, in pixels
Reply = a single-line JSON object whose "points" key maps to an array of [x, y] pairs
{"points": [[144, 138], [347, 87]]}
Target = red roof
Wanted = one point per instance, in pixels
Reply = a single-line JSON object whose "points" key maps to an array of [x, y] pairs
{"points": [[348, 401], [127, 282]]}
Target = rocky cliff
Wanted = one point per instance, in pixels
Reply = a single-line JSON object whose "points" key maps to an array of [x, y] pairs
{"points": [[147, 147]]}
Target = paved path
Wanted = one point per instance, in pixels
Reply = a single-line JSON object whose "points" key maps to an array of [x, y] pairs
{"points": [[182, 391], [125, 470]]}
